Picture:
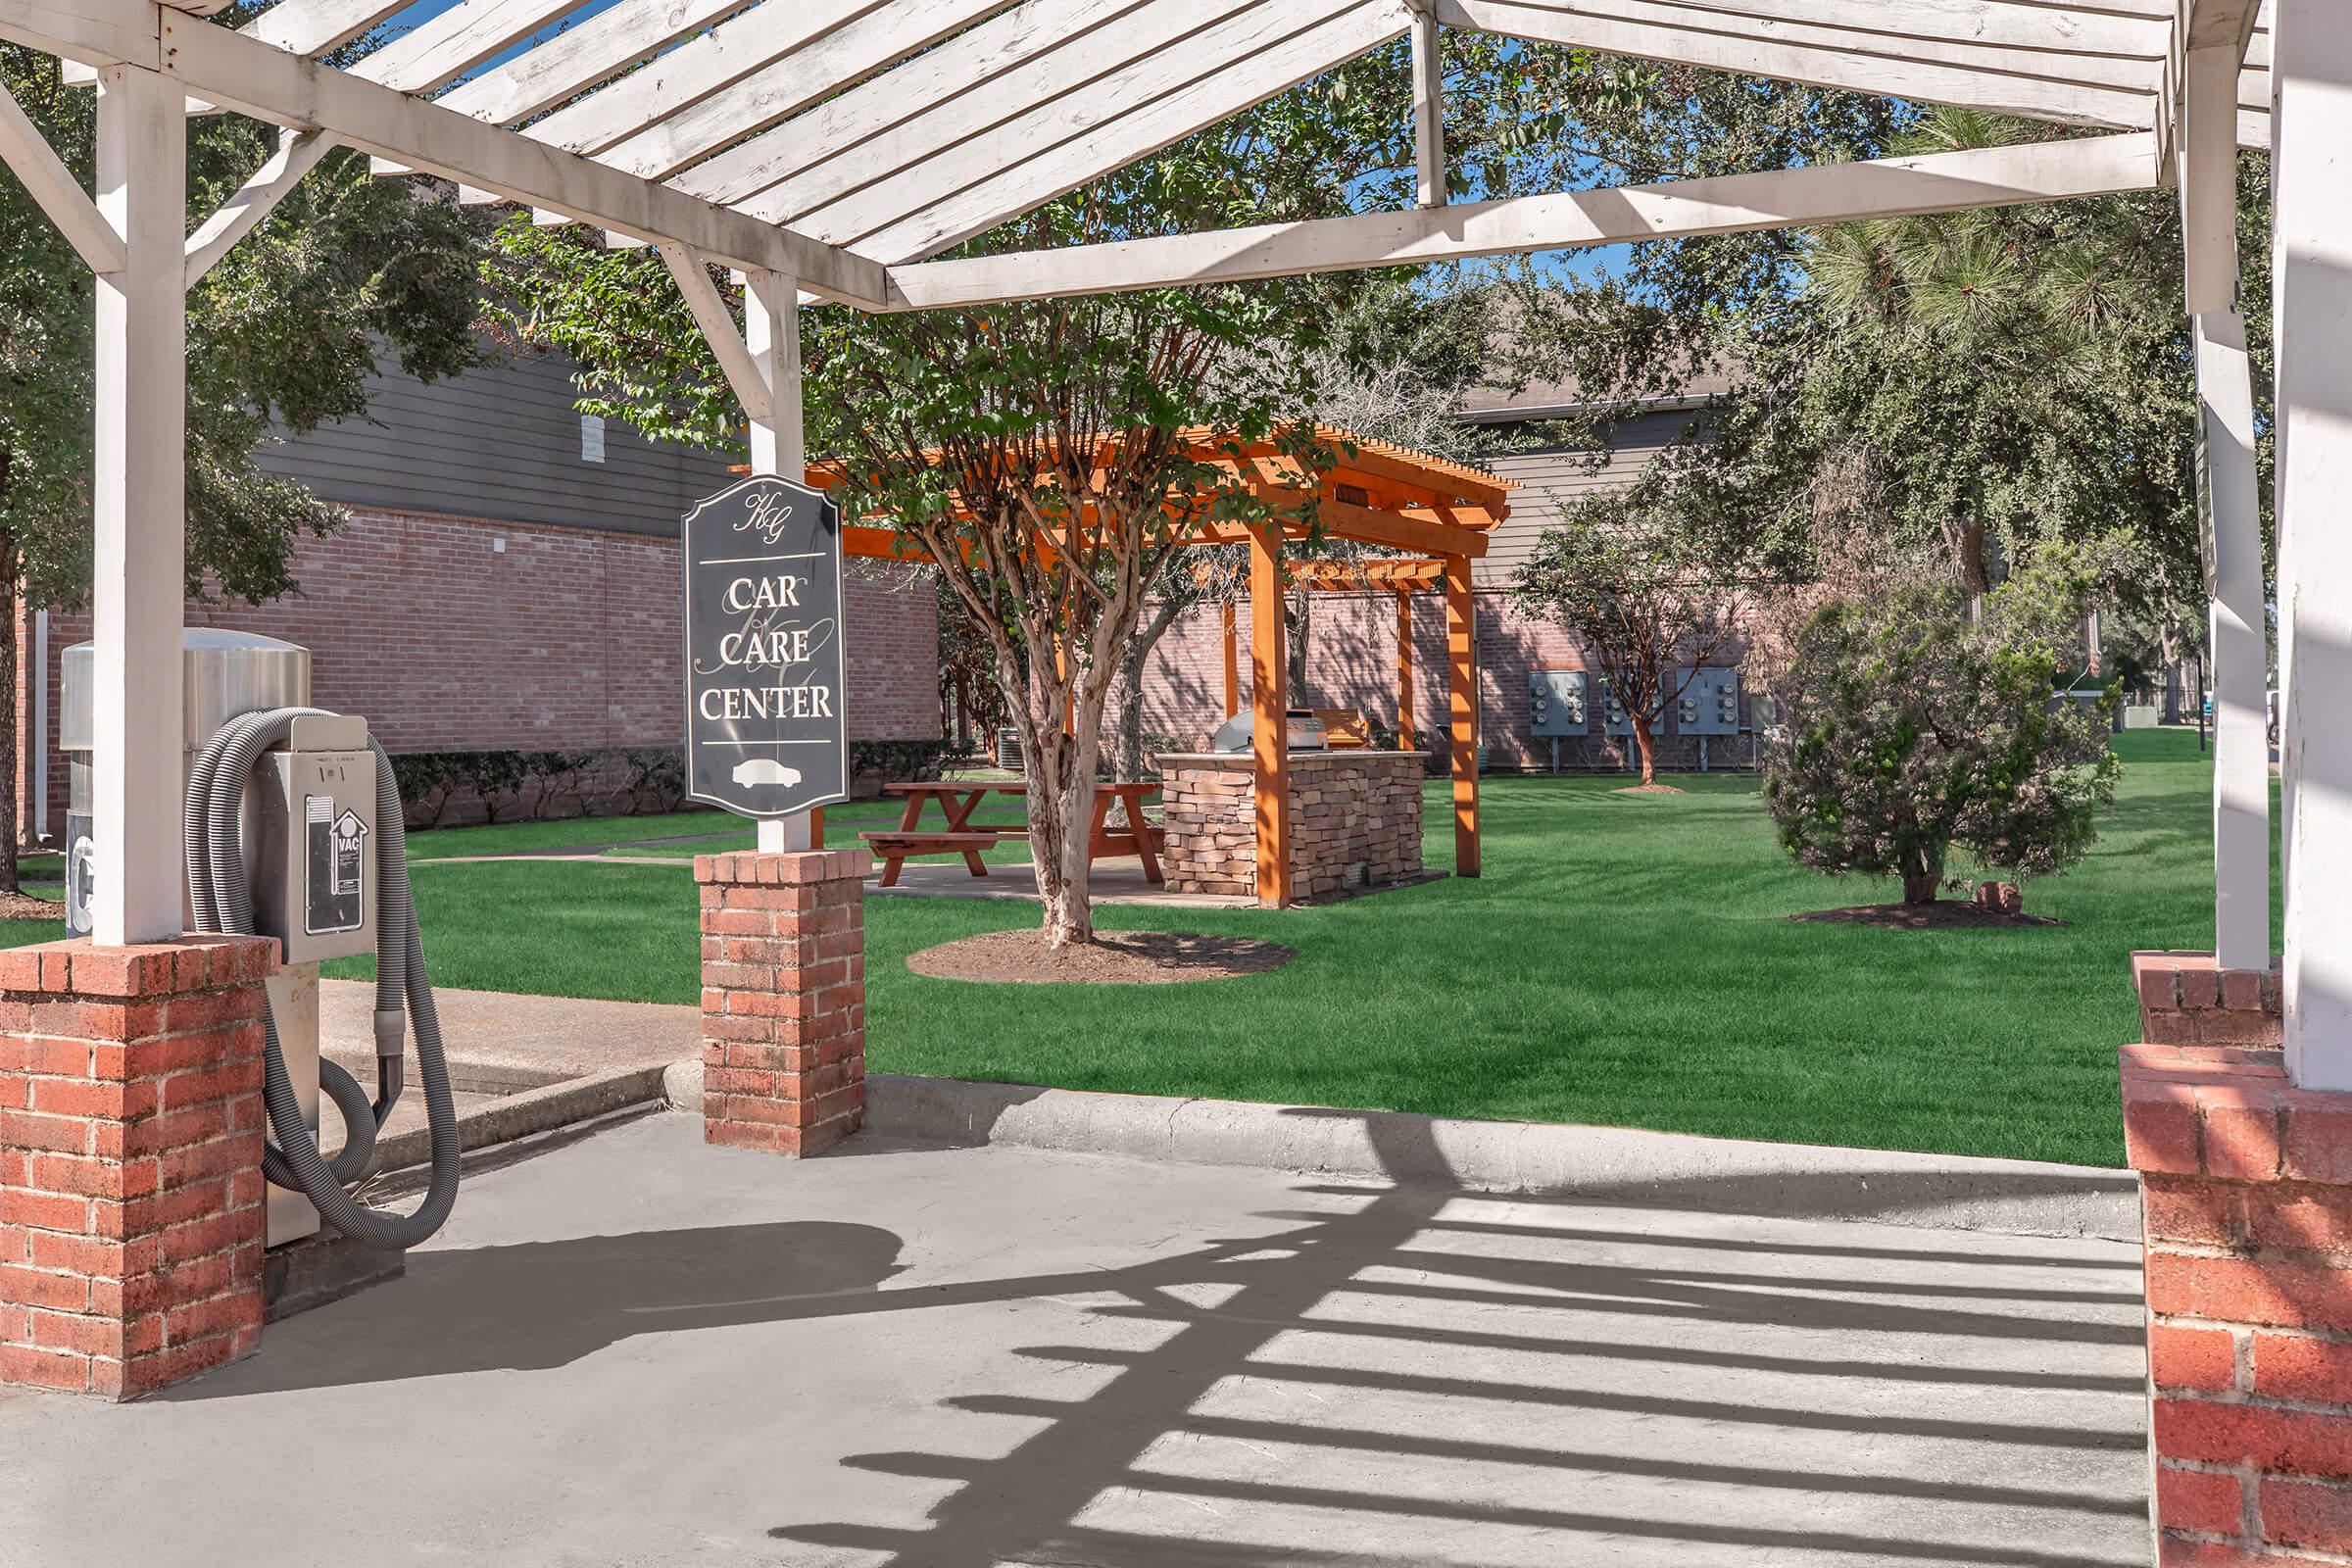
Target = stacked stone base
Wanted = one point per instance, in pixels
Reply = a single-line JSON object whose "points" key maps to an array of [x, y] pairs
{"points": [[783, 998], [1355, 821], [2246, 1191]]}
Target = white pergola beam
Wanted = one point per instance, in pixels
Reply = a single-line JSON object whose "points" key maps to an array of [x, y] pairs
{"points": [[1429, 107], [771, 331], [55, 190], [717, 325], [298, 153], [446, 46], [1038, 157], [227, 68], [1830, 193], [2119, 94], [138, 509], [935, 100], [314, 27], [581, 56], [738, 79]]}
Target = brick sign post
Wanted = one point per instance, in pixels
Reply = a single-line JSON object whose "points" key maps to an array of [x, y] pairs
{"points": [[783, 933]]}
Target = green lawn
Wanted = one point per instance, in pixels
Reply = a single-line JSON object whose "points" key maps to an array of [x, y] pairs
{"points": [[1625, 960]]}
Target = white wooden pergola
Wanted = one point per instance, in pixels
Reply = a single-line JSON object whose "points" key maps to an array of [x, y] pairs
{"points": [[829, 148]]}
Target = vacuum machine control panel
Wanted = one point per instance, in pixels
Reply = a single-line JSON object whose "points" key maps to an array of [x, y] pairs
{"points": [[313, 844]]}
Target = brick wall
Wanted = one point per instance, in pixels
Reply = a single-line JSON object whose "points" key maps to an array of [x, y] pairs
{"points": [[2247, 1198], [131, 1162], [1352, 663], [1353, 814], [565, 640]]}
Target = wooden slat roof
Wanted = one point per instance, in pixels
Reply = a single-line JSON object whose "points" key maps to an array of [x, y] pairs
{"points": [[898, 128]]}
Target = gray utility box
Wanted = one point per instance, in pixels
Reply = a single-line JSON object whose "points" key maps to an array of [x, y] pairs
{"points": [[1709, 703], [1613, 721], [313, 860], [1555, 702]]}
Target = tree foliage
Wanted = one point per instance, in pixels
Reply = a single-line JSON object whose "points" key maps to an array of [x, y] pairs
{"points": [[1999, 380], [283, 334], [1906, 728]]}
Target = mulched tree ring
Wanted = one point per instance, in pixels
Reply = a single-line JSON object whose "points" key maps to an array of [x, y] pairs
{"points": [[1113, 958], [1945, 914], [1648, 789], [27, 906]]}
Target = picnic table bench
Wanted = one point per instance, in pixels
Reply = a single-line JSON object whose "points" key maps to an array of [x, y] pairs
{"points": [[961, 835]]}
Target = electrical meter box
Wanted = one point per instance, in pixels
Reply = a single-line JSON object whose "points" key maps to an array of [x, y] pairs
{"points": [[314, 840], [1555, 702], [1709, 703], [1612, 711]]}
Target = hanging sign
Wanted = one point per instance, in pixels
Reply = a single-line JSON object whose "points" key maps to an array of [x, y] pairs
{"points": [[765, 734]]}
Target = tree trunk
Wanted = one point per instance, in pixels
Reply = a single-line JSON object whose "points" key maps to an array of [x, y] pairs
{"points": [[1648, 747], [1299, 616], [1922, 875]]}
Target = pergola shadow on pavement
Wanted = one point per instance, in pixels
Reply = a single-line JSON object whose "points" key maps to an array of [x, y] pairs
{"points": [[1184, 1366]]}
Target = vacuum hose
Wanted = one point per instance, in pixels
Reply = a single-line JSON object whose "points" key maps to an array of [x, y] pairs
{"points": [[403, 997]]}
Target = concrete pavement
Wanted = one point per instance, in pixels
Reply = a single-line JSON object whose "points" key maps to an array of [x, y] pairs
{"points": [[638, 1350]]}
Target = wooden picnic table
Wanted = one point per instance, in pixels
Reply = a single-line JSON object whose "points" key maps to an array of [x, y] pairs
{"points": [[959, 800]]}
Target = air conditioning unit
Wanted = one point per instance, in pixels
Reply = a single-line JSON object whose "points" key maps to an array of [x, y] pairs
{"points": [[1008, 750]]}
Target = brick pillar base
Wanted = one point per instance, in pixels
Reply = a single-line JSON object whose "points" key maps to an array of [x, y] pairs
{"points": [[131, 1162], [2246, 1194], [783, 998]]}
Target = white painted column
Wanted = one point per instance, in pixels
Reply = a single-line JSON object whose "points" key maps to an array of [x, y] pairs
{"points": [[2312, 279], [139, 508], [771, 330], [1429, 106], [2238, 635], [2228, 510]]}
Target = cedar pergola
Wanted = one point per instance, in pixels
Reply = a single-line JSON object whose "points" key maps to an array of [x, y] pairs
{"points": [[1376, 494], [835, 148]]}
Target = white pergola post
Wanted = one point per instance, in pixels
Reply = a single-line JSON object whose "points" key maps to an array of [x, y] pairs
{"points": [[2312, 277], [139, 508], [2230, 511], [771, 331]]}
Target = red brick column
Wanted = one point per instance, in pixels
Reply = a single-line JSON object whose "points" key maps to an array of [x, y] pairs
{"points": [[131, 1162], [2246, 1191], [783, 998]]}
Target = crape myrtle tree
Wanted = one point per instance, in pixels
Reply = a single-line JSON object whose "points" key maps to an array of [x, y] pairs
{"points": [[1047, 458], [1909, 728], [283, 334], [1646, 594]]}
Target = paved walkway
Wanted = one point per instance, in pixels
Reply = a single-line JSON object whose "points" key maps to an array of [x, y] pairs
{"points": [[638, 1350]]}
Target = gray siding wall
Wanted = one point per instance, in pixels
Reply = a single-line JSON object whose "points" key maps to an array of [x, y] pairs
{"points": [[502, 443], [1550, 479]]}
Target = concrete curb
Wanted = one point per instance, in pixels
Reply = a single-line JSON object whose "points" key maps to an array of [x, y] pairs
{"points": [[1600, 1164], [535, 1111]]}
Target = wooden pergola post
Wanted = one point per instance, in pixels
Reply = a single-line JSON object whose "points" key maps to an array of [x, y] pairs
{"points": [[1232, 670], [1461, 686], [1269, 706], [1405, 669]]}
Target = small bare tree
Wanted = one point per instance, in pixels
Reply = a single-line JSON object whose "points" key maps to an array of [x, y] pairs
{"points": [[1641, 594]]}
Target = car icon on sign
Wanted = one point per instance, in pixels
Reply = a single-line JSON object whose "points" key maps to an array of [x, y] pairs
{"points": [[765, 770]]}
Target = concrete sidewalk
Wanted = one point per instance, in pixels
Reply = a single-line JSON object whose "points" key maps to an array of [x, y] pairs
{"points": [[640, 1349]]}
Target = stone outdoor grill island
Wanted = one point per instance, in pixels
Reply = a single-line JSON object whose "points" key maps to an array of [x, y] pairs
{"points": [[1355, 821]]}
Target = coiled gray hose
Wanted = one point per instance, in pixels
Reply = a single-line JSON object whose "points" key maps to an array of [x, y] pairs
{"points": [[403, 997]]}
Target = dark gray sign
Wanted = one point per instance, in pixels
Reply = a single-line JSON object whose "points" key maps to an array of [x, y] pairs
{"points": [[765, 735]]}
